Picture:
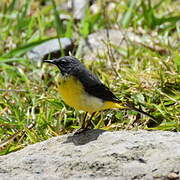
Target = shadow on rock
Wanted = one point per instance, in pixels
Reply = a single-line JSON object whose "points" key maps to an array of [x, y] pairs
{"points": [[84, 137]]}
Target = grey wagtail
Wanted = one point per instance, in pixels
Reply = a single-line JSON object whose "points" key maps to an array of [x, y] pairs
{"points": [[82, 90]]}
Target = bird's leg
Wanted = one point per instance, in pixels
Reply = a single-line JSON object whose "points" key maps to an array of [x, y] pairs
{"points": [[85, 124], [89, 120], [84, 121]]}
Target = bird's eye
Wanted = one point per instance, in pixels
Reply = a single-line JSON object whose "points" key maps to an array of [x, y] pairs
{"points": [[64, 62]]}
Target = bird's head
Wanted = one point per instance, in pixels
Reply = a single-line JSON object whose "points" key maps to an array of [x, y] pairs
{"points": [[65, 64]]}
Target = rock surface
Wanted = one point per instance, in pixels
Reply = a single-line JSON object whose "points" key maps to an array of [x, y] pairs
{"points": [[76, 7], [98, 44], [79, 8], [50, 48], [97, 154]]}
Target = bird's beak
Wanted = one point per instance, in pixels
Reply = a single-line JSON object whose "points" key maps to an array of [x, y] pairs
{"points": [[50, 61]]}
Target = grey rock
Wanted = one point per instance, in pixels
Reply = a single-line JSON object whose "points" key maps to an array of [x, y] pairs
{"points": [[66, 5], [79, 8], [65, 9], [51, 48], [98, 44], [97, 154]]}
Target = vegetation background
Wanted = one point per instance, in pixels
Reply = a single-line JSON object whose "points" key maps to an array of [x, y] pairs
{"points": [[30, 109]]}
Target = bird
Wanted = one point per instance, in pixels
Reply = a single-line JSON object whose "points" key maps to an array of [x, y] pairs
{"points": [[82, 90]]}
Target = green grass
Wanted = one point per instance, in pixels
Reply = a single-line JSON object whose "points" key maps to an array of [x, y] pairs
{"points": [[30, 109]]}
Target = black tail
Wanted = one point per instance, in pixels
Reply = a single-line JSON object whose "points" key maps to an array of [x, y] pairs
{"points": [[132, 107]]}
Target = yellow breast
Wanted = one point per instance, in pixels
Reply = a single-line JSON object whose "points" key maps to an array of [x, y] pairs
{"points": [[73, 94]]}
